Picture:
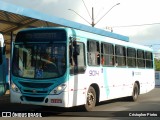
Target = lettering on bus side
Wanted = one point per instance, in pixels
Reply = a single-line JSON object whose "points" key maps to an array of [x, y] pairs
{"points": [[93, 73]]}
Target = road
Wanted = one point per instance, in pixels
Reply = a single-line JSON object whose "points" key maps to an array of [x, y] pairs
{"points": [[146, 105]]}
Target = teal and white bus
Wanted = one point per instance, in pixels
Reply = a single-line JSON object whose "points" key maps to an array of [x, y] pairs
{"points": [[3, 67], [66, 67]]}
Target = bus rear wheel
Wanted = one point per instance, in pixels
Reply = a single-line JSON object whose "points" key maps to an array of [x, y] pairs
{"points": [[135, 92], [91, 99]]}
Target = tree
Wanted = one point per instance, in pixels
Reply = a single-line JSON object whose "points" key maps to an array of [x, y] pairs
{"points": [[157, 64]]}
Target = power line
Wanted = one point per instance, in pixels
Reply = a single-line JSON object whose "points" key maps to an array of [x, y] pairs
{"points": [[136, 25], [92, 17], [87, 9]]}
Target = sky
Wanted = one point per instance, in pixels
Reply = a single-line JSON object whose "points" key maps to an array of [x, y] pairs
{"points": [[133, 18]]}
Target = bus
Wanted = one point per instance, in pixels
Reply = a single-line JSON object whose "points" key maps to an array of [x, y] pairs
{"points": [[65, 67], [3, 67]]}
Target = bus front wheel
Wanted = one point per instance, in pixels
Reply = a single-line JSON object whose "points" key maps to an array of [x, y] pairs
{"points": [[91, 99]]}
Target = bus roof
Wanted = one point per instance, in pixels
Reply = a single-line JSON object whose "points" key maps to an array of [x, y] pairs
{"points": [[109, 40], [89, 35]]}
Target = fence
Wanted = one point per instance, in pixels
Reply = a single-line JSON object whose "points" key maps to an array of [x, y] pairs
{"points": [[157, 78]]}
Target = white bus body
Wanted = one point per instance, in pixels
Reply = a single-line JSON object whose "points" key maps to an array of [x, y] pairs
{"points": [[88, 80]]}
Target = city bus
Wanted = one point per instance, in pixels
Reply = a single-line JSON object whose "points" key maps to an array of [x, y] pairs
{"points": [[65, 67], [3, 67]]}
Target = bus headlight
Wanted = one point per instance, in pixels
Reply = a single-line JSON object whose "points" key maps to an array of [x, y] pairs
{"points": [[58, 89], [14, 88]]}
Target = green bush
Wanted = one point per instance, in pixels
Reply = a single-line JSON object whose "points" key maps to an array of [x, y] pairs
{"points": [[157, 64]]}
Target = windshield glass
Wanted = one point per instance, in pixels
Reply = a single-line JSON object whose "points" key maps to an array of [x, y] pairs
{"points": [[39, 61]]}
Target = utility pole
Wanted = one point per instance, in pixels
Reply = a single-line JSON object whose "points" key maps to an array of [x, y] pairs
{"points": [[92, 16]]}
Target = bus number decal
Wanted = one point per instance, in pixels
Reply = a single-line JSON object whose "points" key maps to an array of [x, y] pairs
{"points": [[93, 73]]}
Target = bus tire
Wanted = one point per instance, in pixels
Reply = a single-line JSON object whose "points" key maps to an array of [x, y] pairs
{"points": [[91, 99], [135, 92]]}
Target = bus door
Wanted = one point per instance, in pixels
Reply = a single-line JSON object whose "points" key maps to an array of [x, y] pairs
{"points": [[77, 69], [2, 68]]}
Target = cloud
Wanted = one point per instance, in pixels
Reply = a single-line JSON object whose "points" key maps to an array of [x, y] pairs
{"points": [[49, 1], [147, 36], [57, 8], [127, 13]]}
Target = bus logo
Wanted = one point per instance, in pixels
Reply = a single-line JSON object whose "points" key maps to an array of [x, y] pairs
{"points": [[34, 91]]}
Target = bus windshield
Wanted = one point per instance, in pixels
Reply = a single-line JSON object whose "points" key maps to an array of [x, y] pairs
{"points": [[39, 60]]}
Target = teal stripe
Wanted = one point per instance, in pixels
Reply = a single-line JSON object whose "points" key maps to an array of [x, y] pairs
{"points": [[106, 81]]}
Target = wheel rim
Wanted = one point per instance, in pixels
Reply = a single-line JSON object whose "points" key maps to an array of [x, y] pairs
{"points": [[90, 98]]}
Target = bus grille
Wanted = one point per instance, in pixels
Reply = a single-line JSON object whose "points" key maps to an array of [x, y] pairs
{"points": [[37, 92], [35, 85], [34, 99]]}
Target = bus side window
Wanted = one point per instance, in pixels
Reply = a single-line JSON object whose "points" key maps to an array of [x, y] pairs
{"points": [[77, 58], [149, 59], [140, 58], [93, 53], [74, 51], [131, 57], [107, 54], [120, 55]]}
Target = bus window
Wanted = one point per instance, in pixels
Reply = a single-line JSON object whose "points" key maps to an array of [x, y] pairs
{"points": [[120, 55], [74, 52], [39, 60], [107, 54], [149, 60], [131, 57], [140, 59], [77, 58], [93, 52]]}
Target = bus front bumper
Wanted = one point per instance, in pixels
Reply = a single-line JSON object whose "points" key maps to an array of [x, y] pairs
{"points": [[60, 100]]}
